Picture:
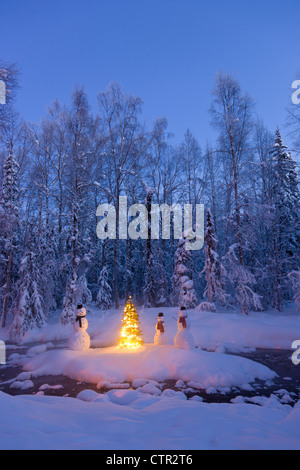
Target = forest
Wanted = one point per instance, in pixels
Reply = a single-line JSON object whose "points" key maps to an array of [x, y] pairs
{"points": [[56, 173]]}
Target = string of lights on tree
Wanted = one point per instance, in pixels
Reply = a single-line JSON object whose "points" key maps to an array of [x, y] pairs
{"points": [[130, 335]]}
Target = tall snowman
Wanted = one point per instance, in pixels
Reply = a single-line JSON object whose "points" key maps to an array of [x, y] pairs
{"points": [[80, 339], [183, 338], [160, 335]]}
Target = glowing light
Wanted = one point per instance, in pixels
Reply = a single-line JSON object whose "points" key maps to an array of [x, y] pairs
{"points": [[130, 335]]}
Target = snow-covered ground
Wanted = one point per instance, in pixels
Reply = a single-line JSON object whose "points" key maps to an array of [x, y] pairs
{"points": [[144, 416], [129, 420]]}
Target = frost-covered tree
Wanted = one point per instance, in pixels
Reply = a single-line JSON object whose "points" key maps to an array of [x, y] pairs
{"points": [[240, 280], [183, 287], [28, 309], [104, 296], [78, 172], [213, 268], [9, 75], [77, 292], [231, 112], [286, 217], [9, 218]]}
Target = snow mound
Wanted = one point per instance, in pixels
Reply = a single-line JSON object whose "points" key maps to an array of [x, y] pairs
{"points": [[200, 369], [22, 385], [123, 397], [150, 388], [109, 385], [206, 307], [50, 387]]}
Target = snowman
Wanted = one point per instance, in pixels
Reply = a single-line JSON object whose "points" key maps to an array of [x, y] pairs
{"points": [[183, 338], [160, 336], [80, 339]]}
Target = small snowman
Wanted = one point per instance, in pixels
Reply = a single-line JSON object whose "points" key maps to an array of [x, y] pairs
{"points": [[80, 339], [183, 338], [160, 336]]}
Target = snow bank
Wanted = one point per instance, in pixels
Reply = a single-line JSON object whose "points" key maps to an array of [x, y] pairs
{"points": [[125, 419], [152, 362], [234, 332]]}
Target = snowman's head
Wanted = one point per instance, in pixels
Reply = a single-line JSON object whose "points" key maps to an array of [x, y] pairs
{"points": [[80, 311], [182, 312], [160, 316]]}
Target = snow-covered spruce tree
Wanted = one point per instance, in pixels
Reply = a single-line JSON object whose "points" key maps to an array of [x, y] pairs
{"points": [[104, 296], [183, 287], [213, 268], [9, 218], [77, 292], [286, 220], [240, 279], [27, 309], [70, 301]]}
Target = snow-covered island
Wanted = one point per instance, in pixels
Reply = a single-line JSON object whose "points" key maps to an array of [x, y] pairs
{"points": [[129, 386]]}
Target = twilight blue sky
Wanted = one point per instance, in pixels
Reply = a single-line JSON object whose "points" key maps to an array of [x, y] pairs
{"points": [[165, 51]]}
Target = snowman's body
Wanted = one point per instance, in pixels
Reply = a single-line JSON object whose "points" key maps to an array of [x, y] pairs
{"points": [[183, 338], [160, 335], [80, 339]]}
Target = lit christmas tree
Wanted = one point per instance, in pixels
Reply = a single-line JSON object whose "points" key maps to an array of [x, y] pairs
{"points": [[131, 335]]}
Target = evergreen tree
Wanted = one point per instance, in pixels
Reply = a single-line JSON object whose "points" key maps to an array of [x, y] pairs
{"points": [[28, 312], [70, 302], [104, 296], [183, 287], [9, 218], [213, 269], [286, 218], [77, 292]]}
